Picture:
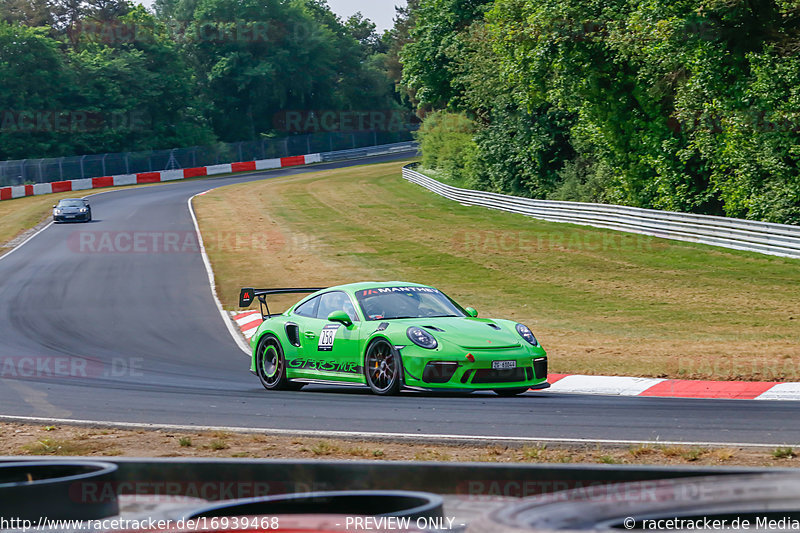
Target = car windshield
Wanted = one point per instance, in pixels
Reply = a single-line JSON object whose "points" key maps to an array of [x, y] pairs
{"points": [[387, 303], [71, 203]]}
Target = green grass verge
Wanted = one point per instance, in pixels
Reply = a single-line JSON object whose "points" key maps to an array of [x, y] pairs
{"points": [[602, 302]]}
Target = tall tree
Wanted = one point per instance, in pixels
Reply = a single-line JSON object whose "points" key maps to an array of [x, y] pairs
{"points": [[36, 83], [428, 59], [27, 12]]}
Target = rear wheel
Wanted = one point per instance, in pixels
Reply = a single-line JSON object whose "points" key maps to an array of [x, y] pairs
{"points": [[511, 392], [382, 368], [271, 365]]}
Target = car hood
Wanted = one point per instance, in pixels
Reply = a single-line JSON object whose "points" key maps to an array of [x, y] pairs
{"points": [[469, 333], [69, 209]]}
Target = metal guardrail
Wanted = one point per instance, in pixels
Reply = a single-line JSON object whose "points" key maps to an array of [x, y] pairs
{"points": [[753, 236], [370, 151]]}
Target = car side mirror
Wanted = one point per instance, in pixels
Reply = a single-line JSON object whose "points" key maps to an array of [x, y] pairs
{"points": [[471, 312], [54, 206], [340, 317]]}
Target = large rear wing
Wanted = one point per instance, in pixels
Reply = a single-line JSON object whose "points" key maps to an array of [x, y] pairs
{"points": [[248, 295]]}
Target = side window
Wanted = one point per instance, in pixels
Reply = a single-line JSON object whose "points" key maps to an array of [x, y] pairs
{"points": [[308, 309], [336, 301], [350, 309]]}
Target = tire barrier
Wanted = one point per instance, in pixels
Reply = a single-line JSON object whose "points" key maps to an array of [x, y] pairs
{"points": [[177, 488], [413, 505], [31, 490], [725, 503]]}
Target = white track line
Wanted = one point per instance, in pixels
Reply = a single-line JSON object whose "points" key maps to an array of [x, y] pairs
{"points": [[414, 437], [20, 245], [225, 317]]}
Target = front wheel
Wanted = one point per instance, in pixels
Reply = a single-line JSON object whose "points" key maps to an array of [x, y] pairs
{"points": [[271, 365], [510, 392], [382, 368]]}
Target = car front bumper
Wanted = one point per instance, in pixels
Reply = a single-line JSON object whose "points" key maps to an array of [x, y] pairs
{"points": [[435, 371], [78, 217]]}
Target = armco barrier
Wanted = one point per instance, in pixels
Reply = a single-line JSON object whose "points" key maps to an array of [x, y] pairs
{"points": [[359, 153], [753, 236], [8, 193]]}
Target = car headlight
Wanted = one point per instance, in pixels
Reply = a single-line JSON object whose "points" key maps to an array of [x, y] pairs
{"points": [[421, 338], [525, 332], [83, 209], [58, 211]]}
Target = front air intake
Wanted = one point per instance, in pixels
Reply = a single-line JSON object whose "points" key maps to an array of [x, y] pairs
{"points": [[439, 372]]}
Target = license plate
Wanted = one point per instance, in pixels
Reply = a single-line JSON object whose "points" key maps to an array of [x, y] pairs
{"points": [[503, 365], [70, 216]]}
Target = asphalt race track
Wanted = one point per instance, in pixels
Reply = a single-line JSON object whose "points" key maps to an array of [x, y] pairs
{"points": [[151, 347]]}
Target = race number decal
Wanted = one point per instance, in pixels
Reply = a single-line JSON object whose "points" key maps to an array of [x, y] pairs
{"points": [[326, 338]]}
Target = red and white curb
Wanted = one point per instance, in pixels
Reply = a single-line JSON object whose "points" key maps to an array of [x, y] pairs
{"points": [[249, 321], [9, 193], [674, 388]]}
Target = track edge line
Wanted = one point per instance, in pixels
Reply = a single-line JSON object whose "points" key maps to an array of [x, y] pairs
{"points": [[400, 437], [211, 281]]}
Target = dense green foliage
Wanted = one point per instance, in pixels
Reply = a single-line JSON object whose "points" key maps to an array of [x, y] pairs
{"points": [[89, 76], [691, 105]]}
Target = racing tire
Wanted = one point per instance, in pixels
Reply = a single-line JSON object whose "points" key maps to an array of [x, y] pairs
{"points": [[506, 393], [382, 368], [271, 365]]}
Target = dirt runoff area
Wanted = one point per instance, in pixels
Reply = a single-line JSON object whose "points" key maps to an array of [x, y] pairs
{"points": [[61, 440]]}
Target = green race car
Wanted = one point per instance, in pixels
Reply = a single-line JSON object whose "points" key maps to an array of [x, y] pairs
{"points": [[391, 336]]}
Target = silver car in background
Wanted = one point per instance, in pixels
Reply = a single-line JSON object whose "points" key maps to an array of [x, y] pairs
{"points": [[72, 210]]}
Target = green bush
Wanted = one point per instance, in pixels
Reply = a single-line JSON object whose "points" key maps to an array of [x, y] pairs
{"points": [[448, 146], [684, 106]]}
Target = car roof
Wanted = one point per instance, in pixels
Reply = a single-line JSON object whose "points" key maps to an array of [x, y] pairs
{"points": [[352, 288], [72, 200], [355, 287]]}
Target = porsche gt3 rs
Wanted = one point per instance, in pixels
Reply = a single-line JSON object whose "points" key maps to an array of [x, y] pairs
{"points": [[391, 336]]}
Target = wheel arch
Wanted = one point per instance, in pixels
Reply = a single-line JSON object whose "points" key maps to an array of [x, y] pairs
{"points": [[259, 336], [382, 336]]}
